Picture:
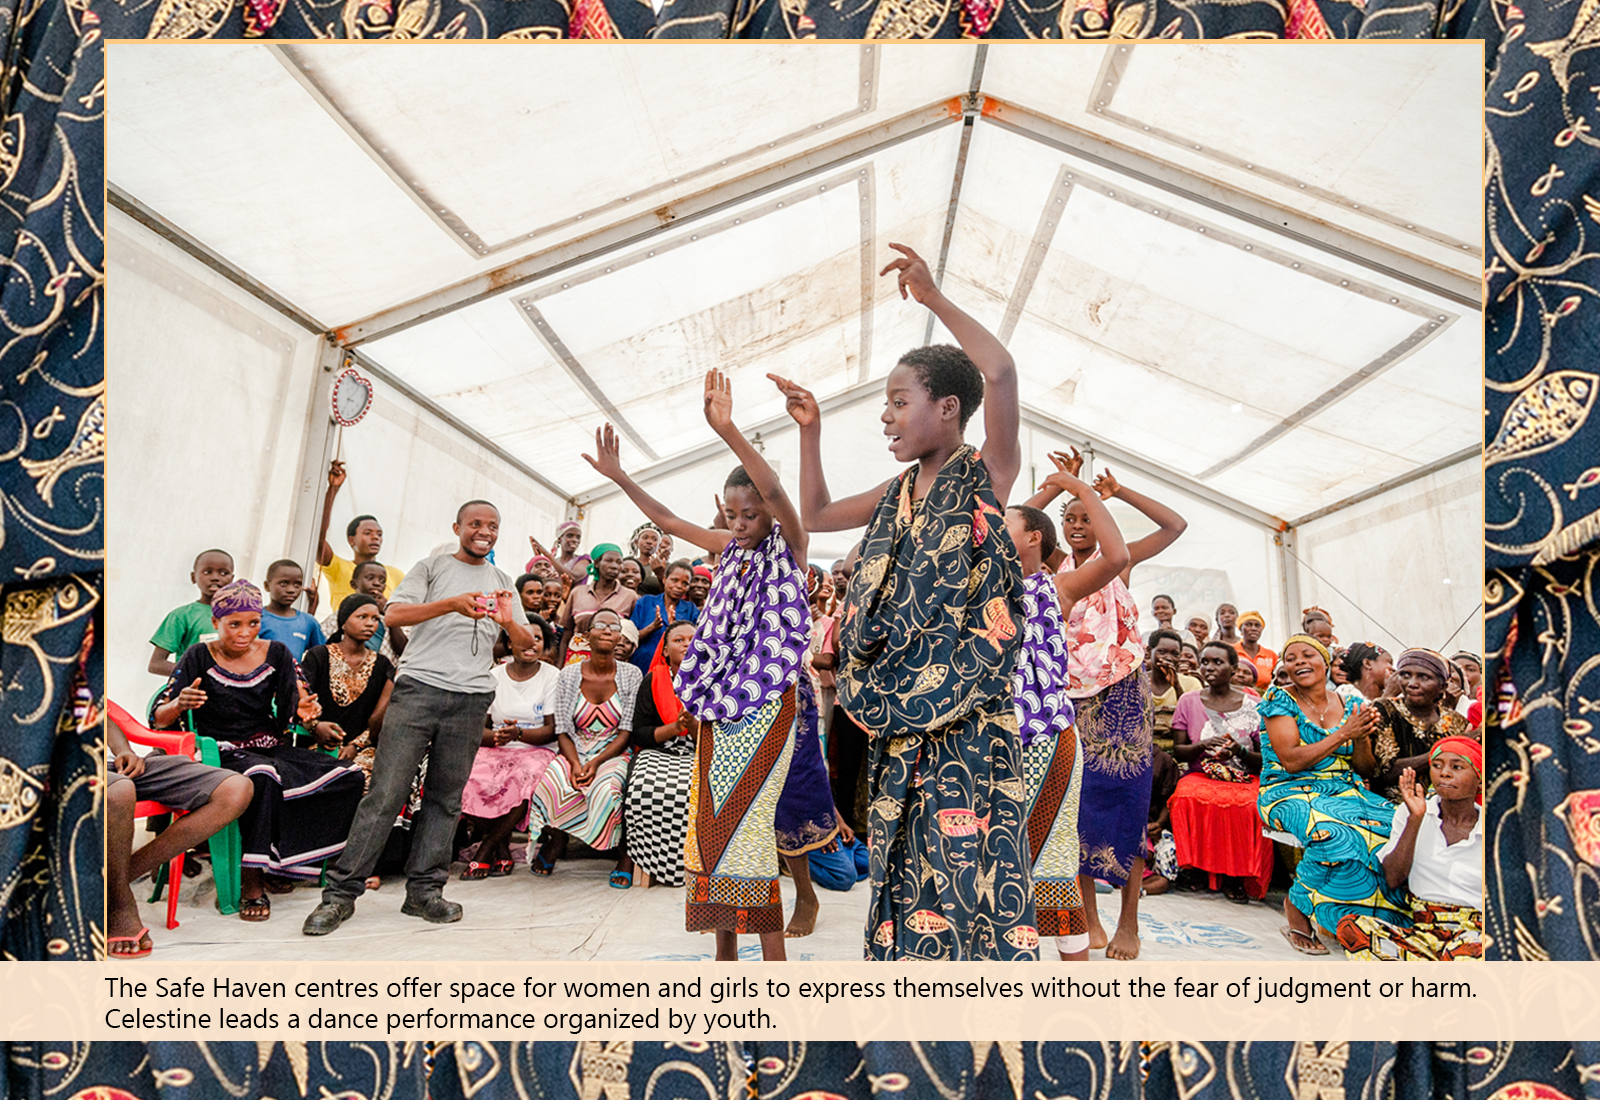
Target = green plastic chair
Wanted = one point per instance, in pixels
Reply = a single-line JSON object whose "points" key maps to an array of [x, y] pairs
{"points": [[227, 848]]}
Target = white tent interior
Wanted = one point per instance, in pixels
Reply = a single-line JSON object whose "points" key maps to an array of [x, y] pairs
{"points": [[1244, 277]]}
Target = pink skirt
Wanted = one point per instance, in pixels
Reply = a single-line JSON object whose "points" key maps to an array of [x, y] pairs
{"points": [[503, 779]]}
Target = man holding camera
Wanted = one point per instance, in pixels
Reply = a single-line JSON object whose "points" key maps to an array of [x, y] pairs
{"points": [[455, 606]]}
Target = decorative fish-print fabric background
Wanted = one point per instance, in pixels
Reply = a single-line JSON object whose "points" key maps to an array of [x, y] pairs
{"points": [[52, 451]]}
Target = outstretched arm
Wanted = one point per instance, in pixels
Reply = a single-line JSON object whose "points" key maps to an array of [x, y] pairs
{"points": [[1096, 574], [1169, 525], [719, 414], [820, 511], [336, 476], [1002, 449], [608, 460]]}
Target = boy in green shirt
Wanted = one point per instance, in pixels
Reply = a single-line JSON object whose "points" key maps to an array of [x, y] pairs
{"points": [[191, 623]]}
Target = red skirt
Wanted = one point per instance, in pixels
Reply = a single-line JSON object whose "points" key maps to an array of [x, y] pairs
{"points": [[1218, 829]]}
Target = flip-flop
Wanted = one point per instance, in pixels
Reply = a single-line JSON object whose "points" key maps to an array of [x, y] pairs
{"points": [[621, 880], [260, 903], [142, 938], [1289, 934], [541, 866], [500, 867], [476, 870]]}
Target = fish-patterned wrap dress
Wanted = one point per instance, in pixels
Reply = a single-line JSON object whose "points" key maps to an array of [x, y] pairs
{"points": [[1051, 764], [929, 639], [1340, 824], [740, 674]]}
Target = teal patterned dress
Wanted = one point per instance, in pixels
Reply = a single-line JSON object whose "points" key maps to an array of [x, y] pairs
{"points": [[1340, 824], [929, 637]]}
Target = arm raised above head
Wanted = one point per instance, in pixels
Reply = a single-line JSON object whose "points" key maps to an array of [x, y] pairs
{"points": [[607, 459], [818, 510], [1002, 447], [719, 414]]}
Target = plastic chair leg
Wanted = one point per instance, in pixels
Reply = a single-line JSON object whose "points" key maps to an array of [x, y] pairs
{"points": [[227, 849]]}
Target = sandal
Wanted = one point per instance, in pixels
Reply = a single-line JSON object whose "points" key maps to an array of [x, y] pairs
{"points": [[621, 880], [542, 866], [500, 867], [1234, 892], [476, 870], [1314, 946], [256, 909], [142, 945]]}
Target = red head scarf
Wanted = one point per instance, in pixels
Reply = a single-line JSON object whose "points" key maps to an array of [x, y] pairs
{"points": [[1462, 746]]}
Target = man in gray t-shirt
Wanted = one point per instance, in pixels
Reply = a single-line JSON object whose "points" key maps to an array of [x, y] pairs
{"points": [[454, 607]]}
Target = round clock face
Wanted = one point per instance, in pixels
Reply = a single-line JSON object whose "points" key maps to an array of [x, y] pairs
{"points": [[352, 394]]}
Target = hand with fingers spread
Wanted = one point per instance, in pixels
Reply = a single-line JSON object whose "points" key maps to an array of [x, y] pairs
{"points": [[607, 458], [799, 402], [1107, 485], [718, 400], [1071, 463], [915, 278], [1412, 793]]}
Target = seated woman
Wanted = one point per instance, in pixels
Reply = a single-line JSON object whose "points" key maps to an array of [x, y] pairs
{"points": [[1217, 737], [1317, 750], [653, 615], [242, 691], [1435, 850], [518, 732], [1410, 724], [1367, 668], [656, 814], [580, 793], [603, 590]]}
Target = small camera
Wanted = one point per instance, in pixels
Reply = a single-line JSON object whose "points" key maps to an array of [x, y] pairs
{"points": [[488, 602]]}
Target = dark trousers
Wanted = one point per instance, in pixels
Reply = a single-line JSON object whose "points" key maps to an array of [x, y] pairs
{"points": [[447, 728], [847, 753]]}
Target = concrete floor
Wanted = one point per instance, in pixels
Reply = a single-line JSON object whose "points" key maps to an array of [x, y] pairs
{"points": [[575, 916]]}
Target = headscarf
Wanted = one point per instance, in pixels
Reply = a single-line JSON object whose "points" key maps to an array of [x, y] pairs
{"points": [[1357, 655], [668, 705], [702, 571], [1305, 611], [1469, 655], [1256, 615], [597, 552], [347, 607], [1308, 640], [630, 631], [1429, 659], [233, 598], [569, 524], [1462, 746], [633, 543]]}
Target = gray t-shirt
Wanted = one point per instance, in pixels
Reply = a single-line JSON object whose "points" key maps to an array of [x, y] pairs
{"points": [[442, 652]]}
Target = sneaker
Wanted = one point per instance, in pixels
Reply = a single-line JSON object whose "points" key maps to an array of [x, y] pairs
{"points": [[328, 916], [436, 909]]}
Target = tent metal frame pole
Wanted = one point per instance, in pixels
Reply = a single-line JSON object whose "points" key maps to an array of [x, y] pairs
{"points": [[1373, 255], [1288, 577], [1156, 472], [669, 217], [317, 448], [845, 399], [969, 116], [1466, 454]]}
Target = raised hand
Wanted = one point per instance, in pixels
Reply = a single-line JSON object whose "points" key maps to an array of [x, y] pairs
{"points": [[721, 522], [799, 402], [336, 474], [1107, 485], [718, 400], [1071, 463], [607, 458], [1412, 794], [1066, 481], [915, 278]]}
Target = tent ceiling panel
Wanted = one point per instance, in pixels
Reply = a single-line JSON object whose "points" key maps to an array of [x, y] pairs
{"points": [[1368, 137], [221, 140]]}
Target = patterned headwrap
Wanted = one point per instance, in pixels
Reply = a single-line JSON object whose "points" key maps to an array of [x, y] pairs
{"points": [[1310, 641], [236, 597], [1469, 655], [1306, 611], [596, 553], [1248, 615], [633, 543], [570, 524], [1356, 655], [1462, 746], [1429, 659]]}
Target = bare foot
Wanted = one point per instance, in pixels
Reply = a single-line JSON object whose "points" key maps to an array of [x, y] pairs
{"points": [[373, 882], [1098, 938], [1125, 944], [804, 921]]}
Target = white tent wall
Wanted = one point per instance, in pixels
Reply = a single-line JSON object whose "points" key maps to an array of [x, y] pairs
{"points": [[225, 382], [238, 376], [1389, 558]]}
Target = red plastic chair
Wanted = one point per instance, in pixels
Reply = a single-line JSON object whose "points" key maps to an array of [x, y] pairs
{"points": [[179, 743]]}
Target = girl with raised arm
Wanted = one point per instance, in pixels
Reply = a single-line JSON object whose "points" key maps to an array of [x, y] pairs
{"points": [[1052, 764], [741, 678], [928, 638], [1111, 691]]}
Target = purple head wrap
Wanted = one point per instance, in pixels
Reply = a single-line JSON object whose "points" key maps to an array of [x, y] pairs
{"points": [[752, 633], [233, 598]]}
